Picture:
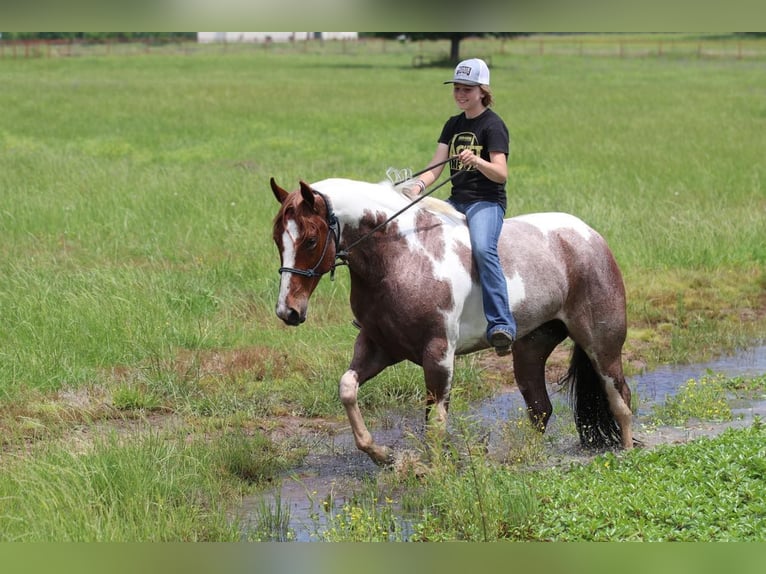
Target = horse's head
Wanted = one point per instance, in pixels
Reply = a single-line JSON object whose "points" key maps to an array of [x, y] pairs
{"points": [[306, 234]]}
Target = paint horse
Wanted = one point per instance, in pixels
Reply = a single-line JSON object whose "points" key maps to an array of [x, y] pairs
{"points": [[415, 296]]}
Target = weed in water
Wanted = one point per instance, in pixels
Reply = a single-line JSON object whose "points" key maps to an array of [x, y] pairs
{"points": [[703, 399], [271, 522], [454, 511], [364, 519], [522, 443]]}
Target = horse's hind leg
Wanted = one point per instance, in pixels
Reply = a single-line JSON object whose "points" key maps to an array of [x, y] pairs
{"points": [[529, 356], [618, 394], [598, 384]]}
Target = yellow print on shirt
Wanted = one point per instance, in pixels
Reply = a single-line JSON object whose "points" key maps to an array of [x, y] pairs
{"points": [[461, 141]]}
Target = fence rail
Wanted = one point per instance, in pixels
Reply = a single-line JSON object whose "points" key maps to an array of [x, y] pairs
{"points": [[421, 51]]}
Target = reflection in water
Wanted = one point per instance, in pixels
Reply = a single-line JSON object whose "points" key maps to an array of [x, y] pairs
{"points": [[334, 471]]}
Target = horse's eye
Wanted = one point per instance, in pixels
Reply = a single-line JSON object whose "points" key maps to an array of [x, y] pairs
{"points": [[311, 242]]}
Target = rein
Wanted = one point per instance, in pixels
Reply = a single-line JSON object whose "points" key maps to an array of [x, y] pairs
{"points": [[343, 254], [422, 171]]}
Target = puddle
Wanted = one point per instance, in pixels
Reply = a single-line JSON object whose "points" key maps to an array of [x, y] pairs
{"points": [[329, 476], [335, 469], [654, 387]]}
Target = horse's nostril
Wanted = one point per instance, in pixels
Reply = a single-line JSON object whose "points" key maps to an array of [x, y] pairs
{"points": [[294, 318]]}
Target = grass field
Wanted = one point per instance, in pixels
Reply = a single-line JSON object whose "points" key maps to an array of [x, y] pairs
{"points": [[137, 272]]}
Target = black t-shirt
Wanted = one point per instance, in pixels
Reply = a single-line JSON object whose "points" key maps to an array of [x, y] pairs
{"points": [[484, 134]]}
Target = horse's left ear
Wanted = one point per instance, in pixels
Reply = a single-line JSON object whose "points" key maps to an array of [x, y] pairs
{"points": [[279, 193], [308, 194]]}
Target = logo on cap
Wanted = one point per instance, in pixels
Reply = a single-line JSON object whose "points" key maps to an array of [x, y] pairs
{"points": [[463, 71]]}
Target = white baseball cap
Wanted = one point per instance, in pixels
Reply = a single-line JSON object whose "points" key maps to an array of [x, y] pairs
{"points": [[471, 72]]}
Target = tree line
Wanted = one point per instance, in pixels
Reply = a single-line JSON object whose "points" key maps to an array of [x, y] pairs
{"points": [[100, 36]]}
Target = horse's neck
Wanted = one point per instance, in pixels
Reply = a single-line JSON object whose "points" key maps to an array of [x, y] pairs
{"points": [[420, 237]]}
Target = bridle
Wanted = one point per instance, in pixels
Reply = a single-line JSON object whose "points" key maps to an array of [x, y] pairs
{"points": [[333, 226]]}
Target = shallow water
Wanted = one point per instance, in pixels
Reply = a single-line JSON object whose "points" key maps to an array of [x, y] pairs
{"points": [[653, 387], [335, 469]]}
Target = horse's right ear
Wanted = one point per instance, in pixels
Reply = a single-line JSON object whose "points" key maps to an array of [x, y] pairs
{"points": [[279, 193]]}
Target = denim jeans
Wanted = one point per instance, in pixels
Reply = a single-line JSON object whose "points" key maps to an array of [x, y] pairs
{"points": [[485, 221]]}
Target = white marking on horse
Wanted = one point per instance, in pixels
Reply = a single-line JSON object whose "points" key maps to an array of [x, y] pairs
{"points": [[616, 401], [288, 260], [516, 291], [549, 222]]}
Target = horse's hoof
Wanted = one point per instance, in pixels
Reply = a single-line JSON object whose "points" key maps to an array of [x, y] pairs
{"points": [[382, 456]]}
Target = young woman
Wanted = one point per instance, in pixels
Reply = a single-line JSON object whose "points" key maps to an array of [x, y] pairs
{"points": [[478, 138]]}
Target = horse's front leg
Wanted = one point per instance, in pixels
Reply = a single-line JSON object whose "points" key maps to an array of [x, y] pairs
{"points": [[367, 362]]}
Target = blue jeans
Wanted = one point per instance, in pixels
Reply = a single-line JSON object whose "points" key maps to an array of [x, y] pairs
{"points": [[485, 221]]}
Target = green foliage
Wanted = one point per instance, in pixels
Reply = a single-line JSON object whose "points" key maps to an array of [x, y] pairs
{"points": [[254, 458], [364, 519], [706, 490], [271, 522], [482, 503], [750, 387]]}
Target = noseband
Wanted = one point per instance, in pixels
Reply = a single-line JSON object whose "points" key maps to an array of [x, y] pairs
{"points": [[333, 226]]}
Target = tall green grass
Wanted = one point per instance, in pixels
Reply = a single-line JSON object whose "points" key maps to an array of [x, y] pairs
{"points": [[136, 214], [156, 486], [149, 490]]}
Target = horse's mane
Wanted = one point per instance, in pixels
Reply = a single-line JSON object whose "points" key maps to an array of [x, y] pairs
{"points": [[432, 204], [394, 197]]}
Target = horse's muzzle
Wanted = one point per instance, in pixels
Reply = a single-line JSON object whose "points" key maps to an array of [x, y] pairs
{"points": [[291, 316]]}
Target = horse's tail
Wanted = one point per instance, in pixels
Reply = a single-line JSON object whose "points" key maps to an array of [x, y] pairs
{"points": [[595, 422]]}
